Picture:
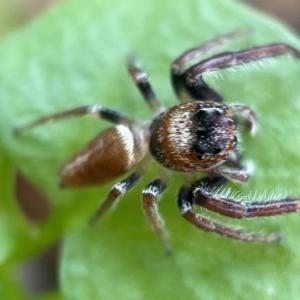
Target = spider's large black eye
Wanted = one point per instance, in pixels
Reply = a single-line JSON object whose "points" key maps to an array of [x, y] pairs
{"points": [[210, 131], [208, 147]]}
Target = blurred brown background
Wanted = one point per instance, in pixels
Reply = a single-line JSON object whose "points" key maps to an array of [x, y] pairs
{"points": [[287, 10], [41, 273], [15, 13]]}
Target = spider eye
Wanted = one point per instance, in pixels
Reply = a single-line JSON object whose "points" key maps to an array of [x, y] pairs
{"points": [[208, 117], [210, 131], [205, 148]]}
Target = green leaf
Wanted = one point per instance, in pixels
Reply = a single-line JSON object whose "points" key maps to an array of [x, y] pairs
{"points": [[76, 55]]}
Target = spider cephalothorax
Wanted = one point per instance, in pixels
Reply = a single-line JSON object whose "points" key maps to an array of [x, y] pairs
{"points": [[193, 136], [199, 134]]}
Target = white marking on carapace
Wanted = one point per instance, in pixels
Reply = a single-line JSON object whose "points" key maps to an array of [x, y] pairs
{"points": [[126, 137], [179, 134]]}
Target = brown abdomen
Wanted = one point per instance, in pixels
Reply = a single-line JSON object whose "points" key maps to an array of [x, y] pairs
{"points": [[106, 157]]}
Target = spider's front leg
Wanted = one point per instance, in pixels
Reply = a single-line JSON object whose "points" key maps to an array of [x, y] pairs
{"points": [[193, 75], [203, 195], [186, 202], [178, 80]]}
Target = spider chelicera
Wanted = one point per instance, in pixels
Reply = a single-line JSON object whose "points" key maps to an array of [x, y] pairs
{"points": [[199, 134]]}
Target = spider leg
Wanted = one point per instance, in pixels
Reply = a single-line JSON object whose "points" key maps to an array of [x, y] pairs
{"points": [[150, 198], [185, 203], [178, 79], [121, 188], [118, 189], [193, 75], [204, 196], [93, 110], [248, 113], [141, 80]]}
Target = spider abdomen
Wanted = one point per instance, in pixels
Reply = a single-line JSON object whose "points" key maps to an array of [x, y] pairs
{"points": [[109, 155], [193, 136]]}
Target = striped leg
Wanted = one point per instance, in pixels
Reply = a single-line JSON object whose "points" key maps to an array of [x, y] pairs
{"points": [[93, 110], [194, 75], [140, 79], [185, 203], [203, 196], [150, 197], [178, 77], [118, 189], [122, 187]]}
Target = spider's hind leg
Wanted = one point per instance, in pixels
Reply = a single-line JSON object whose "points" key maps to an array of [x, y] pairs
{"points": [[94, 110]]}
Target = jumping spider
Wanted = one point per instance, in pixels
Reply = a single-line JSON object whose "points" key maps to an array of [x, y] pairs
{"points": [[197, 134]]}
